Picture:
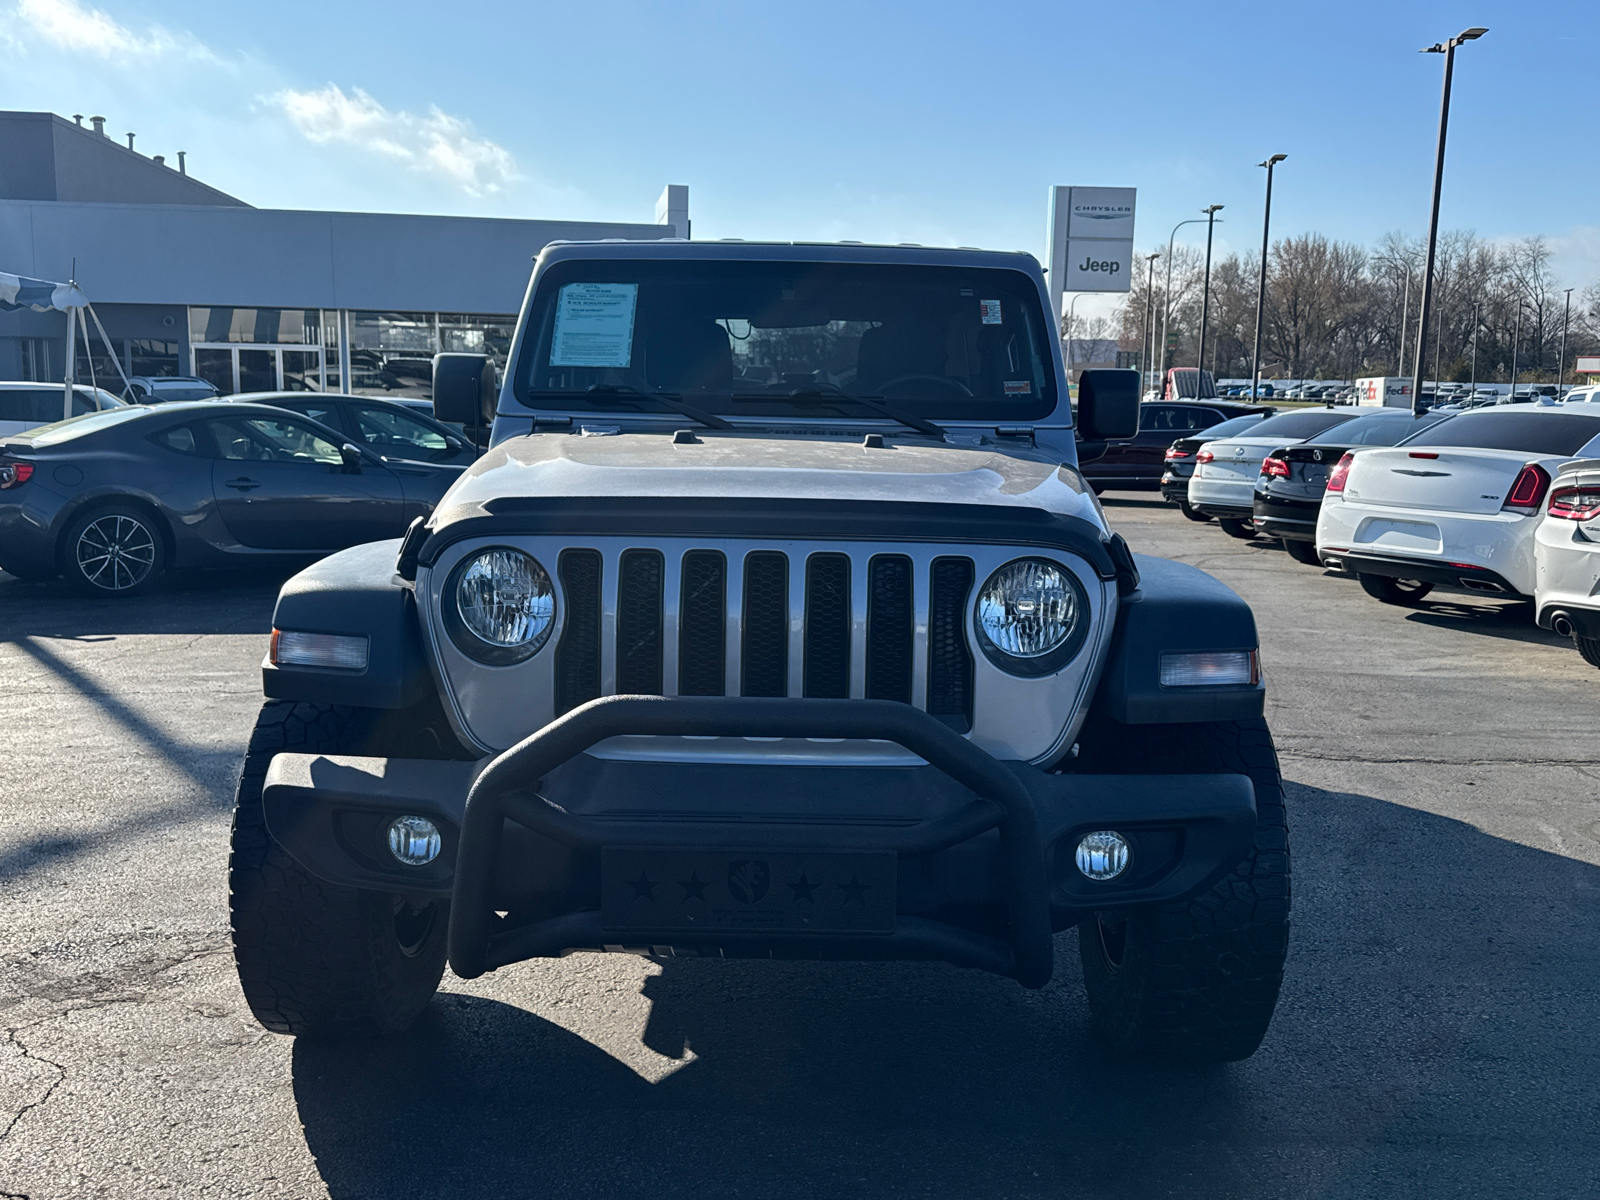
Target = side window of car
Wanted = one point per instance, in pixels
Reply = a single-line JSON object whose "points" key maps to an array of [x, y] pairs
{"points": [[185, 439], [326, 414], [1202, 418], [396, 433], [272, 439], [1159, 418]]}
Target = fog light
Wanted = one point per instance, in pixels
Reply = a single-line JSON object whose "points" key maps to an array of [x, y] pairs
{"points": [[1102, 855], [415, 840]]}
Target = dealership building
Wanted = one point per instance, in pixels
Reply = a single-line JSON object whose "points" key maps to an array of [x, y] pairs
{"points": [[188, 280]]}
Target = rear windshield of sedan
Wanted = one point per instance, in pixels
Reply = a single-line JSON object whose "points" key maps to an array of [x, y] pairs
{"points": [[764, 338], [1537, 432], [1303, 424], [1385, 430], [1233, 425]]}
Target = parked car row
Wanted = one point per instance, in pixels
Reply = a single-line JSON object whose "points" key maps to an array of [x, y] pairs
{"points": [[115, 496], [1501, 501]]}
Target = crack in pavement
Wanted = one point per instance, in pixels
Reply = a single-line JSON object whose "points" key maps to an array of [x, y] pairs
{"points": [[12, 1036]]}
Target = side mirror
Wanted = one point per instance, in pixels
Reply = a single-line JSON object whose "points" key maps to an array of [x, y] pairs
{"points": [[351, 455], [1108, 405], [463, 389]]}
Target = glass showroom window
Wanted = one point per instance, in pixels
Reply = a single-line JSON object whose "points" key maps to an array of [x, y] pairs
{"points": [[150, 356], [391, 353], [255, 326]]}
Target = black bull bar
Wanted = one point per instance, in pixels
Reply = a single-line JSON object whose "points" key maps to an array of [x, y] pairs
{"points": [[482, 941]]}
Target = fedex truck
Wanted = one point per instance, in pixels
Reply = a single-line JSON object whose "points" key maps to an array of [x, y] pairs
{"points": [[1384, 391]]}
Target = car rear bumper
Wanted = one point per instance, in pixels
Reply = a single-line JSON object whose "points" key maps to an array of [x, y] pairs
{"points": [[1286, 518], [1567, 570], [1479, 546], [979, 854], [27, 543], [1228, 498], [1441, 574]]}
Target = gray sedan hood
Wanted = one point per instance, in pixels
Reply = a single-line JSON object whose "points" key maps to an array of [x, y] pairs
{"points": [[735, 466]]}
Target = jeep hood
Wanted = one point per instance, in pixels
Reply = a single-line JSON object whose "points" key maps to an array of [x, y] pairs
{"points": [[739, 466]]}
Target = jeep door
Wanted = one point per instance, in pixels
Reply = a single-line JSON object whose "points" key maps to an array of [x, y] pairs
{"points": [[281, 484]]}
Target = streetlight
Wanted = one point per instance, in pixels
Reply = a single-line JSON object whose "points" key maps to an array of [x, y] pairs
{"points": [[1166, 297], [1261, 287], [1561, 362], [1205, 293], [1149, 345], [1448, 49]]}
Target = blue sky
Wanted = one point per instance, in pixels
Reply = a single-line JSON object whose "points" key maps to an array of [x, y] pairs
{"points": [[930, 122]]}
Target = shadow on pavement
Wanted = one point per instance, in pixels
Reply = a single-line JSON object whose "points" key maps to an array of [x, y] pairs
{"points": [[237, 600], [1435, 1038], [1513, 622]]}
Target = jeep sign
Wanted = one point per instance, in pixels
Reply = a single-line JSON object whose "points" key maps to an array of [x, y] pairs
{"points": [[1091, 241]]}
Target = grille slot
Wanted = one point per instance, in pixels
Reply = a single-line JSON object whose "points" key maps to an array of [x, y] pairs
{"points": [[702, 624], [577, 662], [949, 658], [639, 575], [827, 637], [764, 657], [891, 617]]}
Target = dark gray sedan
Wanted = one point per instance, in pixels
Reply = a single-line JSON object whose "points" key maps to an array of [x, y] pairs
{"points": [[112, 499]]}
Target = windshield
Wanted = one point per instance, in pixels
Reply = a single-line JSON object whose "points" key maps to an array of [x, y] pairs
{"points": [[1233, 425], [1384, 430], [1540, 431], [737, 338], [1303, 424], [65, 431]]}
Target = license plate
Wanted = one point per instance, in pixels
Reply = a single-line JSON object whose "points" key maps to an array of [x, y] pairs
{"points": [[665, 890]]}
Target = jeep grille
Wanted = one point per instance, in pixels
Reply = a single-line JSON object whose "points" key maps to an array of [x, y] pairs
{"points": [[770, 644]]}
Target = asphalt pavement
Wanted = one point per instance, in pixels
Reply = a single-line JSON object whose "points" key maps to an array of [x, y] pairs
{"points": [[1436, 1035]]}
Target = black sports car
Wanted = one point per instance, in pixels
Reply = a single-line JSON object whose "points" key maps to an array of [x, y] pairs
{"points": [[1288, 494], [112, 499]]}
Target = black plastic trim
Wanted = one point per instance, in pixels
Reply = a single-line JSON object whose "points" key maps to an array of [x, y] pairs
{"points": [[1441, 574]]}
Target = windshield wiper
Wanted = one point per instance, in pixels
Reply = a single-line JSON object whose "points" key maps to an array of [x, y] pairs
{"points": [[830, 391], [669, 400]]}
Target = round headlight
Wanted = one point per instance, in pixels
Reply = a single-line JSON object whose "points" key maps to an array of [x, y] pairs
{"points": [[499, 606], [1032, 616]]}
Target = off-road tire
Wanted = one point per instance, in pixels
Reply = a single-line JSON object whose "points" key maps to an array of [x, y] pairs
{"points": [[1193, 513], [1236, 528], [112, 550], [1303, 552], [1394, 591], [1589, 648], [1194, 981], [315, 958]]}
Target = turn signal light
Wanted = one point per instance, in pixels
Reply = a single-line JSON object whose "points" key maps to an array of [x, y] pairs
{"points": [[1205, 456], [1575, 503], [1340, 473], [1527, 492], [14, 474], [323, 651], [1274, 468]]}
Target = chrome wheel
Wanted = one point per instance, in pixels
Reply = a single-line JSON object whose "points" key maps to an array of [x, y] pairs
{"points": [[115, 552]]}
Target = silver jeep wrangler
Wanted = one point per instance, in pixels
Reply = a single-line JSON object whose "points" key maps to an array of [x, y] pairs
{"points": [[776, 622]]}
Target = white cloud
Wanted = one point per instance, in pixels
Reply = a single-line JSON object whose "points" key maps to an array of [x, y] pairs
{"points": [[435, 143], [70, 26]]}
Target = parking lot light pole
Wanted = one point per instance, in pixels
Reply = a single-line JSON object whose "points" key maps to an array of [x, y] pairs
{"points": [[1448, 49], [1205, 292], [1516, 344], [1477, 324], [1166, 296], [1561, 359], [1149, 344], [1261, 284]]}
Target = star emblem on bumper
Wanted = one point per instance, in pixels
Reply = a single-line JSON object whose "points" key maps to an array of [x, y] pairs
{"points": [[802, 889], [644, 888], [855, 891], [694, 888]]}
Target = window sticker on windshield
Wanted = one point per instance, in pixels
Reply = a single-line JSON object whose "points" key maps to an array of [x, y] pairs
{"points": [[1019, 387], [594, 325], [990, 310]]}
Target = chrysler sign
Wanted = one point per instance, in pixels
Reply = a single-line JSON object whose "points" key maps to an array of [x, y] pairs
{"points": [[1091, 240]]}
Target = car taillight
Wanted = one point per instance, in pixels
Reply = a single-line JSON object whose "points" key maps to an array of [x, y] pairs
{"points": [[15, 474], [1205, 456], [1173, 454], [1528, 490], [1340, 473], [1274, 468], [1575, 503]]}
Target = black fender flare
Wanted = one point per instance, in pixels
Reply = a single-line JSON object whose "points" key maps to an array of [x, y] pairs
{"points": [[354, 593], [1176, 609]]}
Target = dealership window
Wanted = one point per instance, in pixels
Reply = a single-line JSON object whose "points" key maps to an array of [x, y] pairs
{"points": [[391, 353], [149, 356], [36, 359], [255, 326]]}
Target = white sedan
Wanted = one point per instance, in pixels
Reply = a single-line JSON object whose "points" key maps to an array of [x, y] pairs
{"points": [[1566, 558], [1224, 481], [1454, 506]]}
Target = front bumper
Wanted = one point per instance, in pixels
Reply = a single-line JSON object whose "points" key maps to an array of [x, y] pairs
{"points": [[979, 853]]}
